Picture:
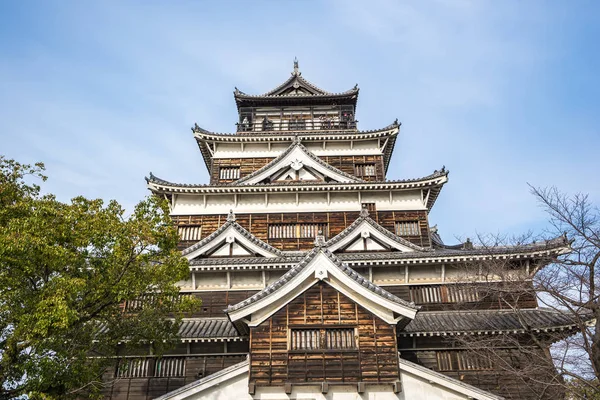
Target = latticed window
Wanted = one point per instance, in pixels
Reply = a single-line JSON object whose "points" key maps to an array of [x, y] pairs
{"points": [[325, 338], [297, 230], [169, 367], [365, 169], [443, 294], [407, 228], [462, 361], [133, 368], [189, 232], [229, 173]]}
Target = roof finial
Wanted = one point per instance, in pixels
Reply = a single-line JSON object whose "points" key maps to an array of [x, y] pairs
{"points": [[231, 216], [296, 72], [364, 212], [320, 239]]}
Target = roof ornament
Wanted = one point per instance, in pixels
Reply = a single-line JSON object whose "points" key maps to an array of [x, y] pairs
{"points": [[396, 122], [196, 128], [231, 216], [296, 139], [468, 245], [364, 212], [296, 71], [320, 239]]}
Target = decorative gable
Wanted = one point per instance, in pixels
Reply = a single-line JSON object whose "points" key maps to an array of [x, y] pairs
{"points": [[320, 265], [297, 163], [231, 240], [365, 234]]}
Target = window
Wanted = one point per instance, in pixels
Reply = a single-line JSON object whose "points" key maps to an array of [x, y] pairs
{"points": [[364, 169], [407, 228], [133, 368], [443, 294], [462, 361], [323, 339], [229, 173], [168, 367], [189, 232], [297, 230]]}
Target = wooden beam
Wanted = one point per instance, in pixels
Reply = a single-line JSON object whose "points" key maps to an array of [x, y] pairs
{"points": [[251, 388], [287, 388], [397, 387], [324, 387]]}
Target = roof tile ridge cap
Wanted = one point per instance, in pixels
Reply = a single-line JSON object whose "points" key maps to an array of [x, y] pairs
{"points": [[345, 232], [364, 281], [247, 234], [272, 286], [327, 165], [392, 235], [267, 166], [207, 239]]}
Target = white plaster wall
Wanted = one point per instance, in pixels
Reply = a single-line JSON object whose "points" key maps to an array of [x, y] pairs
{"points": [[413, 388], [315, 202], [260, 150]]}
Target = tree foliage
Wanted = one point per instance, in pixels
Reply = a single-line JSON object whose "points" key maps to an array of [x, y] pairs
{"points": [[65, 271]]}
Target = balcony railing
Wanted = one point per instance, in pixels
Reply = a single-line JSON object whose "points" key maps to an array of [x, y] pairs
{"points": [[266, 125]]}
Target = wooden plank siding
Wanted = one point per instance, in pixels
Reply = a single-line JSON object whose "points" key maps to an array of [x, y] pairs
{"points": [[343, 163], [214, 302], [258, 224], [496, 380], [374, 360], [151, 387]]}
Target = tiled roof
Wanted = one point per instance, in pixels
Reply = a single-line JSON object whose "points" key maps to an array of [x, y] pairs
{"points": [[364, 217], [232, 223], [295, 81], [288, 276], [315, 134], [296, 145], [207, 328], [412, 182], [487, 321]]}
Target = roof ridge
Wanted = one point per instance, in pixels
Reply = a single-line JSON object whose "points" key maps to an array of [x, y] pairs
{"points": [[231, 222], [364, 216], [338, 263], [296, 144]]}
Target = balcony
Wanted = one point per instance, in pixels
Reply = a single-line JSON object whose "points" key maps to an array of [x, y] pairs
{"points": [[272, 125]]}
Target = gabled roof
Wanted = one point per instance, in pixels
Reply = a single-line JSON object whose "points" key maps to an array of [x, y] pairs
{"points": [[460, 322], [296, 156], [234, 233], [295, 87], [365, 227], [388, 134], [320, 264]]}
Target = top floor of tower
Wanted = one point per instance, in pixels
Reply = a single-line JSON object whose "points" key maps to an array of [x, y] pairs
{"points": [[296, 105]]}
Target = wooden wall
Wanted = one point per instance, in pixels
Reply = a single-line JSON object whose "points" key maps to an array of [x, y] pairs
{"points": [[375, 360], [214, 302], [257, 224], [496, 380], [148, 388], [249, 165]]}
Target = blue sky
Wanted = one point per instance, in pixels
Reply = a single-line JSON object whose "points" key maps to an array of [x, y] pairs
{"points": [[501, 93]]}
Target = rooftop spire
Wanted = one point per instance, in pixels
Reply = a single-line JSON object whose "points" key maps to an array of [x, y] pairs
{"points": [[296, 72]]}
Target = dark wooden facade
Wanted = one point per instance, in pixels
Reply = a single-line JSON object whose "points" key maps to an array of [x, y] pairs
{"points": [[272, 362], [258, 224], [347, 164], [480, 371], [151, 387]]}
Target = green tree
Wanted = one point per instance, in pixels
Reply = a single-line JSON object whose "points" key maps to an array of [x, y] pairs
{"points": [[65, 271]]}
